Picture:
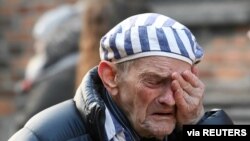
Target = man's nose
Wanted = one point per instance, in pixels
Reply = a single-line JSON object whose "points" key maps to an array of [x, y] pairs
{"points": [[167, 97]]}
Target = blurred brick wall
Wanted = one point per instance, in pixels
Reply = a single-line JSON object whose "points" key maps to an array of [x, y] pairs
{"points": [[17, 18], [225, 69], [227, 53]]}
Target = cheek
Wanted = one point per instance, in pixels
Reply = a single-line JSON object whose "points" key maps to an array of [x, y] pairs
{"points": [[147, 95], [127, 96], [136, 99], [144, 97]]}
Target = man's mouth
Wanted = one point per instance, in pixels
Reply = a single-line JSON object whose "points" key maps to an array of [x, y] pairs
{"points": [[163, 115]]}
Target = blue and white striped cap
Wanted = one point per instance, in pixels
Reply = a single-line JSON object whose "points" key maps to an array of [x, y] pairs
{"points": [[150, 34]]}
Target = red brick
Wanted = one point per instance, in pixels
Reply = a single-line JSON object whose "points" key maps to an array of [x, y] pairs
{"points": [[234, 56], [219, 42], [13, 2], [247, 57], [6, 107], [6, 11], [12, 36], [240, 41], [229, 73], [28, 23], [71, 1], [213, 57], [24, 10], [42, 7], [20, 62]]}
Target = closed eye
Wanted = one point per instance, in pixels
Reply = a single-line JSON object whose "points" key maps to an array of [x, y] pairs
{"points": [[154, 80], [154, 83]]}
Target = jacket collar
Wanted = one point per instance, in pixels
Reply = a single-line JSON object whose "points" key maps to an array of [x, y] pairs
{"points": [[91, 99], [90, 104]]}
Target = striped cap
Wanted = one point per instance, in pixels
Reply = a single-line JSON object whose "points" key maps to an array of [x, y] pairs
{"points": [[150, 34]]}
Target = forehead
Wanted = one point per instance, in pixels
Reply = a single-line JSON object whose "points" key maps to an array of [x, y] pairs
{"points": [[160, 65]]}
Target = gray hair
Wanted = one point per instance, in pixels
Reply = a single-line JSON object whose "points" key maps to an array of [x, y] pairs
{"points": [[123, 69]]}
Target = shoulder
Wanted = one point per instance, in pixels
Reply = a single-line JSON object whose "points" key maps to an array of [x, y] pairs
{"points": [[58, 123]]}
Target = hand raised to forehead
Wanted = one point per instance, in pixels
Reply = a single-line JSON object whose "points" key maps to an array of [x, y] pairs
{"points": [[188, 93]]}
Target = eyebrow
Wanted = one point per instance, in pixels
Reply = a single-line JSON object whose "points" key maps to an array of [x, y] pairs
{"points": [[155, 74]]}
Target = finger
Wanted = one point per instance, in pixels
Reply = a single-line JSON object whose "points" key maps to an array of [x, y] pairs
{"points": [[192, 79], [178, 94], [183, 83], [178, 89], [195, 70]]}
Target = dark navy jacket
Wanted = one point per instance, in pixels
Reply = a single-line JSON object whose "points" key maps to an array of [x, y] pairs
{"points": [[82, 118]]}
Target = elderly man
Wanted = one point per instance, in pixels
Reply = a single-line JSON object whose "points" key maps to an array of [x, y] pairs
{"points": [[145, 88]]}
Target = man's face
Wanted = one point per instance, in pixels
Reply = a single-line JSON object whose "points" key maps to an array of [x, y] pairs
{"points": [[146, 96]]}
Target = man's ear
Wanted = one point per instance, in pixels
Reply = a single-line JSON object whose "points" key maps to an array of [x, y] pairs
{"points": [[107, 73]]}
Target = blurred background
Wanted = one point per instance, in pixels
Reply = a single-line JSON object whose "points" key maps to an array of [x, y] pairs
{"points": [[222, 28]]}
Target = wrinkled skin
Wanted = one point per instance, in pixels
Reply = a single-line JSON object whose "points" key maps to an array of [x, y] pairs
{"points": [[157, 93]]}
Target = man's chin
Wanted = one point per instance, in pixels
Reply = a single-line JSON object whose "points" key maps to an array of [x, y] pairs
{"points": [[160, 130]]}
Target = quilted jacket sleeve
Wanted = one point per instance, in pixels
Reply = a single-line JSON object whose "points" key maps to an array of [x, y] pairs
{"points": [[61, 122], [215, 117], [24, 135]]}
